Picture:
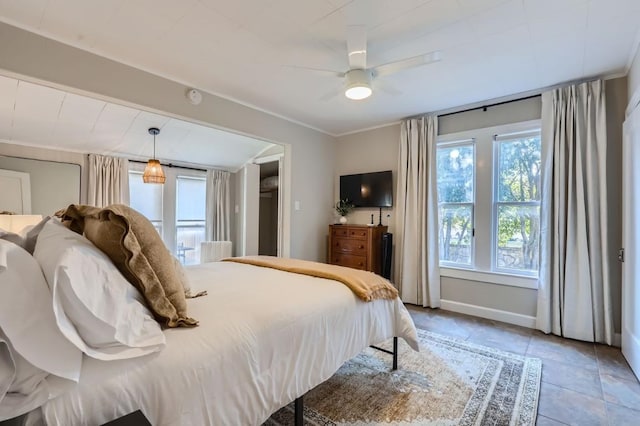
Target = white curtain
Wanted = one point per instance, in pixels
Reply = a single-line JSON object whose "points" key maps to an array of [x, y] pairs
{"points": [[574, 294], [108, 180], [218, 204], [417, 257]]}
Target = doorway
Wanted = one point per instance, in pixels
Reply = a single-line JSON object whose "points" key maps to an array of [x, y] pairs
{"points": [[269, 208]]}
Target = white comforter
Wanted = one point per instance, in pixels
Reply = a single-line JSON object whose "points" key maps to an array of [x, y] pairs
{"points": [[265, 337]]}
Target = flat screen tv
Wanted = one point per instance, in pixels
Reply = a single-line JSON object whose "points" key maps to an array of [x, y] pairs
{"points": [[368, 189]]}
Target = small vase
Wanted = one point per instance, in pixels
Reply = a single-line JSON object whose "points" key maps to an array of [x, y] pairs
{"points": [[343, 219]]}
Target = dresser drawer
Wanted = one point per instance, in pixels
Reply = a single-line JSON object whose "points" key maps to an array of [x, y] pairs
{"points": [[350, 260], [360, 234], [349, 246]]}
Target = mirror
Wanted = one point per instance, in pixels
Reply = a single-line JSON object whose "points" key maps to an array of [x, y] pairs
{"points": [[54, 185]]}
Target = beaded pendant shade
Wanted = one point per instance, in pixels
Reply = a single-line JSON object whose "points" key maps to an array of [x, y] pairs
{"points": [[153, 173]]}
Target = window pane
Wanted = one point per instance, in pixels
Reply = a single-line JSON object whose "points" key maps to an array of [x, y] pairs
{"points": [[455, 174], [191, 198], [190, 214], [189, 235], [146, 198], [455, 234], [518, 238], [519, 170]]}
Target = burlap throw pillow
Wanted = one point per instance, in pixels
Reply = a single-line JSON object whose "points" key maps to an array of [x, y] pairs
{"points": [[136, 249]]}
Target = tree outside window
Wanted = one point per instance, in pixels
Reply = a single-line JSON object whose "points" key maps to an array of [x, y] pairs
{"points": [[517, 204], [455, 174]]}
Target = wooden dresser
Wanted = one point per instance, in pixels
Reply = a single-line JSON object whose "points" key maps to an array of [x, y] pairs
{"points": [[356, 246]]}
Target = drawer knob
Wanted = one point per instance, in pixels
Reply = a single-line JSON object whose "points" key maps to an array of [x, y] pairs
{"points": [[361, 246]]}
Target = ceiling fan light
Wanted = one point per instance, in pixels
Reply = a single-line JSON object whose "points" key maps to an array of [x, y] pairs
{"points": [[358, 84], [358, 92]]}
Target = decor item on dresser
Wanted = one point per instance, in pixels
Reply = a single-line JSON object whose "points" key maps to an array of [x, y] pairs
{"points": [[343, 207], [356, 246]]}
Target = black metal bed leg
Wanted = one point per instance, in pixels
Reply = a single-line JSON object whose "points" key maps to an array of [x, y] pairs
{"points": [[299, 411], [395, 353]]}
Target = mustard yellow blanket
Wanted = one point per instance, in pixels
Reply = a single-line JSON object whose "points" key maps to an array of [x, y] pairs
{"points": [[366, 285]]}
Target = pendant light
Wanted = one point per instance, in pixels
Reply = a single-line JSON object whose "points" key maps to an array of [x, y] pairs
{"points": [[153, 172]]}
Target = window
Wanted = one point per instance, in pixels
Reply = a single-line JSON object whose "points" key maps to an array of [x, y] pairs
{"points": [[488, 183], [190, 218], [517, 202], [146, 198], [455, 169], [176, 209]]}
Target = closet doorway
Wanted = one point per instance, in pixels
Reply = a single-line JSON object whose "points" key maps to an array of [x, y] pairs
{"points": [[269, 208]]}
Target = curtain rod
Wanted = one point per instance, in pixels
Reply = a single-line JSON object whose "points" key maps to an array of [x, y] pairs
{"points": [[484, 107], [171, 165]]}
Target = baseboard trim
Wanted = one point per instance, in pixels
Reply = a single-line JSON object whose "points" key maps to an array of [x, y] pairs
{"points": [[631, 350], [489, 313]]}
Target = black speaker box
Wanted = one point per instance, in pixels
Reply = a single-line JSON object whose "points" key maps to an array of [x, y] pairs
{"points": [[387, 248]]}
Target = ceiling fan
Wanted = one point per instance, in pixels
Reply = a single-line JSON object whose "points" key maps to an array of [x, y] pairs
{"points": [[358, 78]]}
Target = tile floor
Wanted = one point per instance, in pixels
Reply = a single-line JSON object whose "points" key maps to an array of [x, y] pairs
{"points": [[582, 383]]}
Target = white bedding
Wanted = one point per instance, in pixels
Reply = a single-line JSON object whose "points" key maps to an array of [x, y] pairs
{"points": [[265, 337]]}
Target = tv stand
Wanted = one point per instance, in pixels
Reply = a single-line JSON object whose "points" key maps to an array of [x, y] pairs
{"points": [[380, 217]]}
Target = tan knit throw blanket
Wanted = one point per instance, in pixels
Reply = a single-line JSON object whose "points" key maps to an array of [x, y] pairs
{"points": [[364, 284]]}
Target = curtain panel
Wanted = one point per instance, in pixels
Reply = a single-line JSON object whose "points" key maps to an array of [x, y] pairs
{"points": [[108, 180], [417, 256], [574, 292], [218, 206]]}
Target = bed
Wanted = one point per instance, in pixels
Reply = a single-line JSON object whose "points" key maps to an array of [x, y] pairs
{"points": [[265, 338]]}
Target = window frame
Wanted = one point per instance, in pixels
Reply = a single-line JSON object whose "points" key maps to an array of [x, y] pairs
{"points": [[179, 250], [472, 204], [496, 203], [484, 218]]}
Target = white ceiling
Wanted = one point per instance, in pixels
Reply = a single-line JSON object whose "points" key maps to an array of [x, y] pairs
{"points": [[42, 116], [243, 49]]}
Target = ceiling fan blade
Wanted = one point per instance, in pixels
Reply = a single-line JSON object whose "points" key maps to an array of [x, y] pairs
{"points": [[416, 61], [387, 88], [357, 46], [329, 96], [321, 71]]}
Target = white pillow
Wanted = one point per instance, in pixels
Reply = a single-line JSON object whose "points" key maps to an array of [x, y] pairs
{"points": [[27, 376], [27, 318], [7, 368], [96, 308], [28, 389]]}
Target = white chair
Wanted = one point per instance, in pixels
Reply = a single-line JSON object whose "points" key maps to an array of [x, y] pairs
{"points": [[213, 251]]}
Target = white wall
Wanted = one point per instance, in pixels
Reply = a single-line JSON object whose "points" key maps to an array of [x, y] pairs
{"points": [[251, 209], [38, 59], [616, 91], [363, 152], [634, 76]]}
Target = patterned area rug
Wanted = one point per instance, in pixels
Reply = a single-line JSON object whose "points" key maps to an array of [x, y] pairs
{"points": [[449, 382]]}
